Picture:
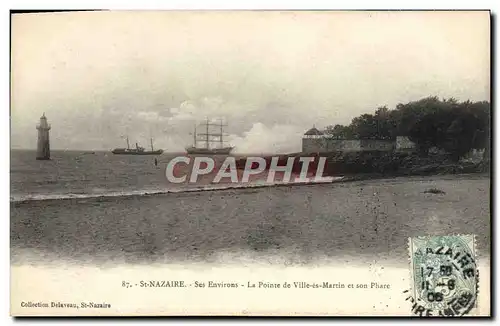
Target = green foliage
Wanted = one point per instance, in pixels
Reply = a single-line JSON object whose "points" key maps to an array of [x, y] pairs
{"points": [[340, 132], [447, 124]]}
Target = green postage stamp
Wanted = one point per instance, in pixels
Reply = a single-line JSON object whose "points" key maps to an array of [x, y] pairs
{"points": [[444, 275]]}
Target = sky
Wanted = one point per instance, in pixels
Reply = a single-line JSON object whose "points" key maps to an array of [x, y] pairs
{"points": [[102, 76]]}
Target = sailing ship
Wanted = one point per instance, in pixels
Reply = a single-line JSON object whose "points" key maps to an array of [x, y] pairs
{"points": [[207, 138], [138, 150]]}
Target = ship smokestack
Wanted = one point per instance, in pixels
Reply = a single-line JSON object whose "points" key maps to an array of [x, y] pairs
{"points": [[43, 145]]}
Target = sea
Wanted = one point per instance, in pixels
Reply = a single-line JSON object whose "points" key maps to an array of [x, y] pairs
{"points": [[80, 174]]}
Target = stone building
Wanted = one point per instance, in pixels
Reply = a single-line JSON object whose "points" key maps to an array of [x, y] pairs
{"points": [[317, 141]]}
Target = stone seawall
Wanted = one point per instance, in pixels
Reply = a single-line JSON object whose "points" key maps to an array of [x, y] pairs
{"points": [[375, 162]]}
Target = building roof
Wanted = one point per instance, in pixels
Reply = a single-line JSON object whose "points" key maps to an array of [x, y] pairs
{"points": [[313, 132]]}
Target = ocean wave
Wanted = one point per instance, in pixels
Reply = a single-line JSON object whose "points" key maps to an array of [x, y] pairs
{"points": [[131, 193]]}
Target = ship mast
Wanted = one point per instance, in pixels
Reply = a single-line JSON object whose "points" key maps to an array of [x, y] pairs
{"points": [[209, 137], [128, 145], [220, 139], [195, 136]]}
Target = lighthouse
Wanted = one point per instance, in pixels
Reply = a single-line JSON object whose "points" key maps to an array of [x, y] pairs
{"points": [[43, 148]]}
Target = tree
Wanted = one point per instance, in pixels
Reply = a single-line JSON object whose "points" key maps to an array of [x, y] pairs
{"points": [[339, 132], [429, 131], [429, 122], [365, 127]]}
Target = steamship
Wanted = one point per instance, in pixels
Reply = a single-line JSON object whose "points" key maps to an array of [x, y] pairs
{"points": [[138, 150]]}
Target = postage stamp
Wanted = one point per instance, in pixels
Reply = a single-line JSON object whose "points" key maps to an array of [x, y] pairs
{"points": [[444, 275]]}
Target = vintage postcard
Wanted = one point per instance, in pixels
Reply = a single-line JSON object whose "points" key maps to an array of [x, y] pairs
{"points": [[250, 163]]}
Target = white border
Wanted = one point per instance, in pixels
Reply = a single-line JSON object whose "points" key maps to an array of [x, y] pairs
{"points": [[255, 4]]}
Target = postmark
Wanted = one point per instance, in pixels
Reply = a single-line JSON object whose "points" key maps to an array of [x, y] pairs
{"points": [[444, 275]]}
